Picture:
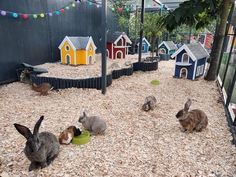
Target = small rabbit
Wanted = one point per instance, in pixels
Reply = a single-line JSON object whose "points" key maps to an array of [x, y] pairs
{"points": [[192, 120], [42, 88], [93, 124], [149, 104], [115, 66], [66, 136], [41, 148], [25, 76], [128, 63]]}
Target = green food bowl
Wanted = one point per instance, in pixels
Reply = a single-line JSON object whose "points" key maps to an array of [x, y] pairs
{"points": [[155, 82], [83, 138]]}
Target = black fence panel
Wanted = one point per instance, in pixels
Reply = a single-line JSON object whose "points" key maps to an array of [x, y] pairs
{"points": [[117, 73], [122, 72], [109, 80], [36, 41], [145, 66], [59, 83], [137, 66], [128, 71], [94, 82]]}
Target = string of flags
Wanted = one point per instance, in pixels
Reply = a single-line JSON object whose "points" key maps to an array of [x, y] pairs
{"points": [[128, 8], [120, 9], [26, 16]]}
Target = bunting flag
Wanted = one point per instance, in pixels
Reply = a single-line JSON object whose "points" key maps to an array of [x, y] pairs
{"points": [[26, 16], [62, 10], [120, 9], [128, 8]]}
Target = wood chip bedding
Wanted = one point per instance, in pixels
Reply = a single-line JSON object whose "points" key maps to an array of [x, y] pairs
{"points": [[136, 143]]}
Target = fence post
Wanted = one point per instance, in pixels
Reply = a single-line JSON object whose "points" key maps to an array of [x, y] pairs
{"points": [[104, 45], [231, 89], [225, 40], [141, 34], [229, 57]]}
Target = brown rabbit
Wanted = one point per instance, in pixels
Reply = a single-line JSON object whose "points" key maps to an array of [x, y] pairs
{"points": [[66, 136], [193, 120], [42, 88]]}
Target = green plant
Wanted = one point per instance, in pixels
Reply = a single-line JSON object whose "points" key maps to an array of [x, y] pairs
{"points": [[198, 14], [153, 28], [122, 10]]}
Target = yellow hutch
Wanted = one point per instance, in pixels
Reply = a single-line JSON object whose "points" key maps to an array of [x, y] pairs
{"points": [[77, 50]]}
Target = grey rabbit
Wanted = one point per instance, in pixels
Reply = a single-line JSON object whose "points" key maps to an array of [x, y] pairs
{"points": [[94, 124], [149, 104], [192, 120], [41, 148]]}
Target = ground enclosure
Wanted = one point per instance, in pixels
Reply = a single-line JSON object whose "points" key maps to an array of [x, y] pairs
{"points": [[136, 143]]}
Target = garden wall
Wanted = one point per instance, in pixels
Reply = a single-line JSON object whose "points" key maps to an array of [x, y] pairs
{"points": [[36, 40]]}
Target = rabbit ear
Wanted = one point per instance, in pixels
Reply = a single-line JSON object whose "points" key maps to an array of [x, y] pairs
{"points": [[84, 114], [37, 125], [74, 129], [187, 105], [23, 130]]}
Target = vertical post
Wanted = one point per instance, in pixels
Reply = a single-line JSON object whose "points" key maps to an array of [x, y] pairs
{"points": [[225, 41], [231, 89], [104, 46], [190, 34], [157, 44], [223, 47], [135, 26], [229, 57], [141, 33]]}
